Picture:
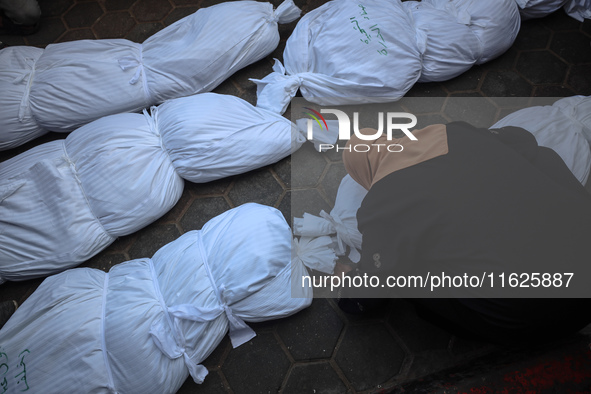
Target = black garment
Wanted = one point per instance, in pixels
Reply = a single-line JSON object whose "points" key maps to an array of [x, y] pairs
{"points": [[496, 203]]}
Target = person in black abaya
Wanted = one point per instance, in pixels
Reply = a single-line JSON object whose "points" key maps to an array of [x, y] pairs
{"points": [[463, 200]]}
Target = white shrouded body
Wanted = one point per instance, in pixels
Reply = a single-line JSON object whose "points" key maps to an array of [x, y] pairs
{"points": [[74, 83], [64, 201], [147, 323], [564, 127], [372, 51]]}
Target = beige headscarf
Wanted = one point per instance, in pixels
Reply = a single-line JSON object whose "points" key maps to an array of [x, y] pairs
{"points": [[366, 168]]}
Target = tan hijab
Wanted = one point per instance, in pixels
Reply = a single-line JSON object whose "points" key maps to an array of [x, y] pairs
{"points": [[366, 168]]}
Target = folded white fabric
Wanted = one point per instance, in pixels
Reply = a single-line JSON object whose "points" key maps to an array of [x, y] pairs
{"points": [[349, 52], [17, 70], [64, 201], [149, 323], [530, 9], [578, 9], [74, 83], [340, 224], [495, 23], [564, 127], [452, 46]]}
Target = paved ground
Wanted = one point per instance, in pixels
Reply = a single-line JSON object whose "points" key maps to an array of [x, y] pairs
{"points": [[321, 350]]}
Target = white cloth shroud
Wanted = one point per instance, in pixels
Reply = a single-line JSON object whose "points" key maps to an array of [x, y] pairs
{"points": [[340, 224], [17, 70], [564, 127], [148, 323], [350, 52], [64, 201], [578, 9], [77, 82]]}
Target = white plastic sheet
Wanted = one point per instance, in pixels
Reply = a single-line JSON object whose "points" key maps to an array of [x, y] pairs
{"points": [[63, 202], [74, 83], [148, 323], [564, 127]]}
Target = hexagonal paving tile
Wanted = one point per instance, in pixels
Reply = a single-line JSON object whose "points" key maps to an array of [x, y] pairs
{"points": [[201, 210], [427, 363], [150, 10], [307, 165], [308, 200], [179, 13], [285, 207], [54, 7], [560, 20], [216, 358], [216, 187], [283, 170], [83, 14], [416, 333], [586, 26], [78, 34], [501, 83], [468, 81], [152, 238], [471, 108], [540, 67], [429, 89], [258, 186], [213, 384], [572, 46], [142, 31], [553, 91], [428, 120], [114, 5], [532, 35], [312, 333], [504, 62], [424, 105], [579, 79], [51, 29], [104, 261], [113, 25], [257, 366], [369, 356], [314, 378], [331, 181]]}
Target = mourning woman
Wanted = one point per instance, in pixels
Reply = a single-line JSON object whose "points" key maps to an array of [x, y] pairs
{"points": [[463, 201]]}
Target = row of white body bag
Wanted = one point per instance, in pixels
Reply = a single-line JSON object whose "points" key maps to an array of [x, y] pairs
{"points": [[344, 52], [147, 324], [564, 127], [70, 84]]}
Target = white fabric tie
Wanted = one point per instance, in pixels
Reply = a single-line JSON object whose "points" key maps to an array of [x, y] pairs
{"points": [[315, 253], [314, 226], [343, 237], [167, 334], [285, 13], [128, 62], [28, 75], [278, 89]]}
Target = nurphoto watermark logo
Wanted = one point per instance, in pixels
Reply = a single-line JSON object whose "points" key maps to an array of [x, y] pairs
{"points": [[392, 124]]}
